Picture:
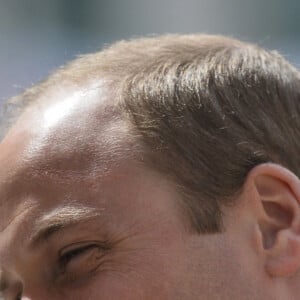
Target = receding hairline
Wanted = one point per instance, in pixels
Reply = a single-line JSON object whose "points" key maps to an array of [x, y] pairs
{"points": [[109, 64], [181, 92]]}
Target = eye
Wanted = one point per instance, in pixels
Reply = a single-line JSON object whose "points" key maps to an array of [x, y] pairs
{"points": [[74, 253], [79, 260]]}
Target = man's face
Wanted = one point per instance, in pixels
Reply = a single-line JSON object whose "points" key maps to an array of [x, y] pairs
{"points": [[80, 219]]}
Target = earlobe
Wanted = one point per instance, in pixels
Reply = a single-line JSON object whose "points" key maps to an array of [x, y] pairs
{"points": [[277, 190]]}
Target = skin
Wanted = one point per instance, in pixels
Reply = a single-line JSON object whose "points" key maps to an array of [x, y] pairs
{"points": [[120, 233]]}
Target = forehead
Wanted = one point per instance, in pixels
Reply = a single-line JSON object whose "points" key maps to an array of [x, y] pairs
{"points": [[67, 136], [70, 121]]}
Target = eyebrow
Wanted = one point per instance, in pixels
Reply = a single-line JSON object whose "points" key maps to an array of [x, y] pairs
{"points": [[58, 219]]}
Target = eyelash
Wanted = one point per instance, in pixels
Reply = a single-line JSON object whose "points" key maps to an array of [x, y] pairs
{"points": [[66, 258], [89, 255]]}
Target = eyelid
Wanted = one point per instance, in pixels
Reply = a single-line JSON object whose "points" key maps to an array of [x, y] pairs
{"points": [[70, 254], [76, 249], [103, 245], [79, 260]]}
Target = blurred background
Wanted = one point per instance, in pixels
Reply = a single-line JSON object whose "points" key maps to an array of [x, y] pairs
{"points": [[37, 36]]}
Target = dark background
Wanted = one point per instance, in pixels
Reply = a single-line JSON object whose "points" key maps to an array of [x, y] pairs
{"points": [[37, 36]]}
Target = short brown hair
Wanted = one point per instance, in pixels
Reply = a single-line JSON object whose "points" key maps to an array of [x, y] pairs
{"points": [[206, 109]]}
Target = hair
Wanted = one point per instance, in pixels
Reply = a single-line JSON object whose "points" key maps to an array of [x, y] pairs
{"points": [[206, 109]]}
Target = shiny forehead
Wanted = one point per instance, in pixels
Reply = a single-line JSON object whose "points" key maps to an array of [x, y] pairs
{"points": [[77, 125], [69, 133]]}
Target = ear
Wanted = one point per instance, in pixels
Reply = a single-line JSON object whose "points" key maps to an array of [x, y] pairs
{"points": [[278, 193]]}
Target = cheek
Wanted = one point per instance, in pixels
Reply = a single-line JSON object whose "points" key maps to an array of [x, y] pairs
{"points": [[220, 269], [128, 274], [115, 287]]}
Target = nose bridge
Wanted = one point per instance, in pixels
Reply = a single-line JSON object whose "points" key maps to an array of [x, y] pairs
{"points": [[21, 284]]}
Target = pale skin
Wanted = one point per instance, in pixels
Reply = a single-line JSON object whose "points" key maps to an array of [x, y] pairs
{"points": [[81, 219]]}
